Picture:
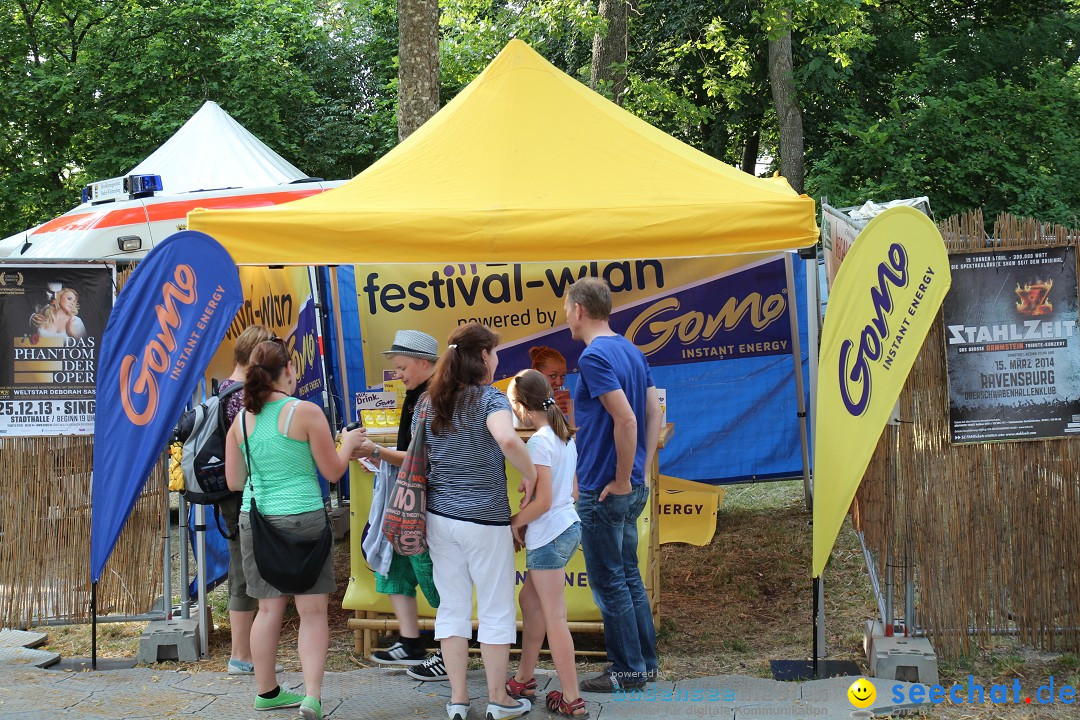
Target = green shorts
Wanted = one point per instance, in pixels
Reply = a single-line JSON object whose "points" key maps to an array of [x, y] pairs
{"points": [[406, 572]]}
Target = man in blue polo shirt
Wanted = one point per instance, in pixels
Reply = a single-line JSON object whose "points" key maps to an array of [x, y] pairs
{"points": [[618, 417]]}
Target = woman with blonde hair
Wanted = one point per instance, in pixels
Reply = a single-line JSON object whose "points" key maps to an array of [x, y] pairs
{"points": [[470, 433], [60, 318], [286, 440]]}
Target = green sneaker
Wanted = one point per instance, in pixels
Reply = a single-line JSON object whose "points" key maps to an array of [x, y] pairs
{"points": [[311, 708], [283, 700]]}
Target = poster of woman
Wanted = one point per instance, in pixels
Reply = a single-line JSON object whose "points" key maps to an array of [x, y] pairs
{"points": [[51, 321], [59, 318]]}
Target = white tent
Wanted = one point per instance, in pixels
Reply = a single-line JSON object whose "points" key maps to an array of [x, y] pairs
{"points": [[213, 151]]}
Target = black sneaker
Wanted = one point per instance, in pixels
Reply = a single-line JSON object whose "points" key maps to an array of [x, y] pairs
{"points": [[606, 683], [400, 654], [650, 675], [431, 669]]}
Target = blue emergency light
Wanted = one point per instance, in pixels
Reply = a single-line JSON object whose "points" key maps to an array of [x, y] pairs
{"points": [[141, 185], [121, 188]]}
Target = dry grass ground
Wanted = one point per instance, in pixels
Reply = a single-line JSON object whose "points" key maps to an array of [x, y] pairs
{"points": [[726, 608]]}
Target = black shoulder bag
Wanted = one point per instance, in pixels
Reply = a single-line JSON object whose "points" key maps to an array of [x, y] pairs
{"points": [[290, 564]]}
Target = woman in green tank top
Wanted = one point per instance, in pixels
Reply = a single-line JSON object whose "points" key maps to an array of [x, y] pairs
{"points": [[287, 440]]}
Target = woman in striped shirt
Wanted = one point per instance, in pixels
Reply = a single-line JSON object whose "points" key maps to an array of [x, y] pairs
{"points": [[470, 435]]}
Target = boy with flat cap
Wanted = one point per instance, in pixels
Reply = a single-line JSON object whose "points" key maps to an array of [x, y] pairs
{"points": [[413, 355]]}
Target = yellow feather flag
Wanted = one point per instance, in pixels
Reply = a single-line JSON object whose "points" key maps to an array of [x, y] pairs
{"points": [[885, 298]]}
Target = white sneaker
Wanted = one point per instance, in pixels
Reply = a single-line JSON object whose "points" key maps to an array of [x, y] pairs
{"points": [[239, 667], [457, 711], [505, 712]]}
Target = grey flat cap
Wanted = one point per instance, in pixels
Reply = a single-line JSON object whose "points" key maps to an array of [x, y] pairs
{"points": [[415, 344]]}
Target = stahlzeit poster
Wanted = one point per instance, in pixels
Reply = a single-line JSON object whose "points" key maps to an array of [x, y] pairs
{"points": [[1011, 345], [51, 321]]}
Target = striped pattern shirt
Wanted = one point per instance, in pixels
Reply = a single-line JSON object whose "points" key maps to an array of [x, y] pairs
{"points": [[468, 470]]}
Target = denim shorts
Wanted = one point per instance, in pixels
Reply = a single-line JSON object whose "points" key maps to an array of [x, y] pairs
{"points": [[556, 553]]}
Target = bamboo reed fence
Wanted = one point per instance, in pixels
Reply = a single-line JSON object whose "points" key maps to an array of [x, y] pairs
{"points": [[990, 528], [45, 549], [45, 553]]}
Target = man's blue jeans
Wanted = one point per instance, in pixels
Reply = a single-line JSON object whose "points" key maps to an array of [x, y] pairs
{"points": [[609, 541]]}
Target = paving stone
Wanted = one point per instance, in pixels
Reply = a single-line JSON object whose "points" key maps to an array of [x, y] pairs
{"points": [[29, 676], [21, 638], [165, 693], [742, 688], [26, 656], [833, 691], [791, 709]]}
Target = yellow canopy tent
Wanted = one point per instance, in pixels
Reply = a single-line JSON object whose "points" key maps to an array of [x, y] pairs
{"points": [[525, 164]]}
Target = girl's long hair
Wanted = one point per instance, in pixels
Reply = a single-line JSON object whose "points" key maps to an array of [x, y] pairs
{"points": [[460, 369], [268, 361], [532, 391]]}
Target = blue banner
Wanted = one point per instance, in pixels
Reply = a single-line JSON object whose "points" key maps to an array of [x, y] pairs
{"points": [[166, 325], [307, 353], [730, 388], [741, 314], [306, 350]]}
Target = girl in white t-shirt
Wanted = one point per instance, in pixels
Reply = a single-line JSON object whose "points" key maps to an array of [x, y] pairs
{"points": [[550, 531]]}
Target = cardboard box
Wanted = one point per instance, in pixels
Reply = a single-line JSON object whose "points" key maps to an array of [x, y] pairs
{"points": [[375, 400]]}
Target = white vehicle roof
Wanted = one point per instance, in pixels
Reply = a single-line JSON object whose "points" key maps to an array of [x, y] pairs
{"points": [[211, 162], [98, 231]]}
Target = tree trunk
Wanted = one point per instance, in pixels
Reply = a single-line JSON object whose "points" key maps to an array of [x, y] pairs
{"points": [[609, 51], [418, 66], [782, 80]]}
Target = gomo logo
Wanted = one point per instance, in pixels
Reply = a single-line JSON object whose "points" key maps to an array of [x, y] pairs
{"points": [[856, 380], [658, 324], [155, 356]]}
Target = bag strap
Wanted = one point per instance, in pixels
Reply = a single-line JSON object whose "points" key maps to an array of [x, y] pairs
{"points": [[223, 404], [224, 533], [230, 390], [421, 428], [247, 450]]}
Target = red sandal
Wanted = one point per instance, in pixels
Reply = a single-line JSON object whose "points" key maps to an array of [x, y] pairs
{"points": [[559, 706], [518, 690]]}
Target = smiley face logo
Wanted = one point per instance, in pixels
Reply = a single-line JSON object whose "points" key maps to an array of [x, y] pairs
{"points": [[862, 693]]}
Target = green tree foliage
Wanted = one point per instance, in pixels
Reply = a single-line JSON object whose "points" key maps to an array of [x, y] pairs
{"points": [[92, 88], [474, 31], [973, 104], [700, 70]]}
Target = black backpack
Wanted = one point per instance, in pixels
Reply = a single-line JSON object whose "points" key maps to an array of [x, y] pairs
{"points": [[202, 431]]}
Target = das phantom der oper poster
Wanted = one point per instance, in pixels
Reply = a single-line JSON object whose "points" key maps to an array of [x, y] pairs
{"points": [[51, 321]]}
